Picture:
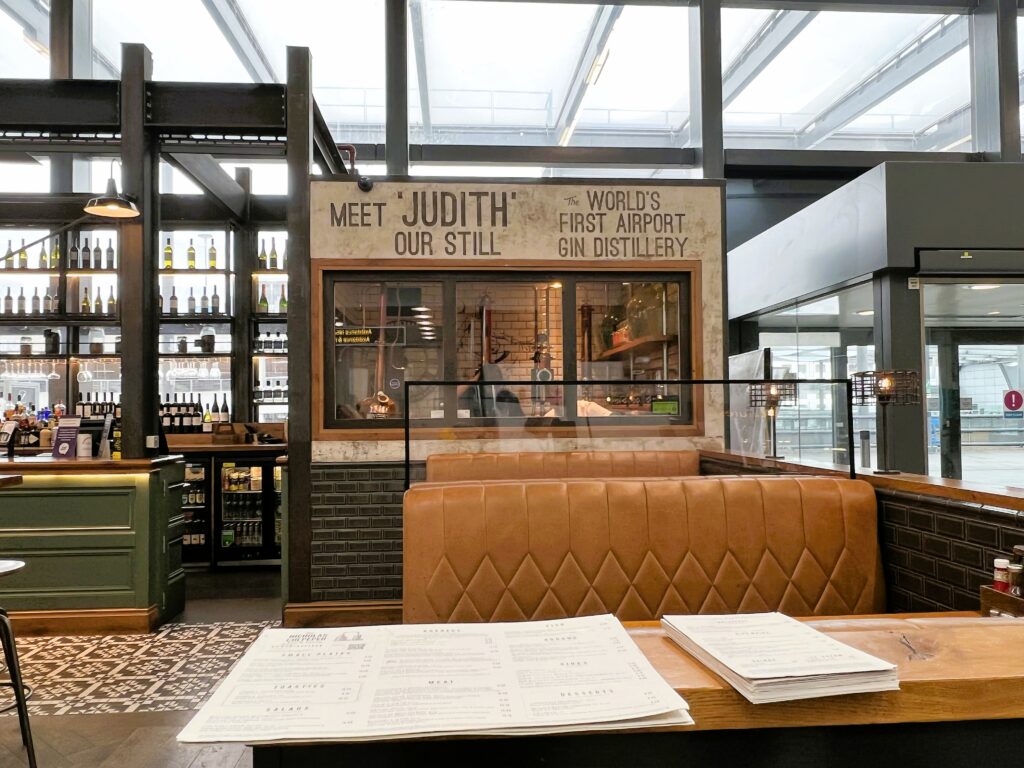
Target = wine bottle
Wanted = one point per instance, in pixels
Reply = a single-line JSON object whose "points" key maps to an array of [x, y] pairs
{"points": [[23, 256], [73, 255], [44, 259], [80, 406], [97, 255], [204, 302], [8, 303], [284, 254], [86, 305], [191, 302], [110, 253], [8, 262], [264, 305], [35, 301], [48, 307], [111, 302], [85, 255], [211, 256], [262, 262], [282, 305], [87, 406], [215, 302], [225, 416], [215, 410], [273, 254], [257, 393], [191, 255], [174, 301], [21, 302], [207, 420], [168, 255], [55, 255], [98, 304]]}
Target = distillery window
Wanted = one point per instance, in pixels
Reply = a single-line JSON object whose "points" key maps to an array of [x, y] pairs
{"points": [[510, 343]]}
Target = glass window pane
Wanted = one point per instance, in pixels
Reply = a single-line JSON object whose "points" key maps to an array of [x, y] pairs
{"points": [[386, 333], [18, 176], [22, 53], [183, 37], [847, 80]]}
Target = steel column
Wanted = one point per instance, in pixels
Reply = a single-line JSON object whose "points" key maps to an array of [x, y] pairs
{"points": [[244, 255], [995, 80], [300, 408], [137, 266], [706, 86], [950, 429], [397, 88], [899, 345]]}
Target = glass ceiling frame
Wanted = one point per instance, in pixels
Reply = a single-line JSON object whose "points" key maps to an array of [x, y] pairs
{"points": [[991, 120]]}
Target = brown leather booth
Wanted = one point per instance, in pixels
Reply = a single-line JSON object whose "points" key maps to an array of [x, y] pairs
{"points": [[640, 548], [533, 465]]}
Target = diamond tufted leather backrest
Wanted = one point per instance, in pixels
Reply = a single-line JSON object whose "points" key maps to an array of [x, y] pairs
{"points": [[532, 465], [641, 548]]}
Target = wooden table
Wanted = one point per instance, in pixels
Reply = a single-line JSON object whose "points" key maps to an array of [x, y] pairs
{"points": [[961, 703], [8, 481]]}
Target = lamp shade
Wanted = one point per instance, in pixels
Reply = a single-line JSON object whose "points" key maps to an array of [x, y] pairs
{"points": [[111, 204], [886, 387]]}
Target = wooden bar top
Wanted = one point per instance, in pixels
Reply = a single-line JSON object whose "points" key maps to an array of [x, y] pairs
{"points": [[267, 448], [39, 465], [1003, 496], [8, 481], [950, 668]]}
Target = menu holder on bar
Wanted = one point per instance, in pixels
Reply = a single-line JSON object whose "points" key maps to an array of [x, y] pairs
{"points": [[65, 438], [770, 657]]}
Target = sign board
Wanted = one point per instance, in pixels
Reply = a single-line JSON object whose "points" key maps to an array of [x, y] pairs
{"points": [[353, 336], [516, 221], [1013, 404]]}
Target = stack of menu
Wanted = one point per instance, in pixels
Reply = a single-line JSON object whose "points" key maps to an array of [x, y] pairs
{"points": [[364, 683], [770, 657]]}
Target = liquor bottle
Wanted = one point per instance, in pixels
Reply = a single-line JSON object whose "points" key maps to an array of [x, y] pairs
{"points": [[73, 255], [8, 262], [268, 392], [55, 254], [85, 255], [207, 420], [168, 255], [273, 255], [44, 259], [165, 415], [86, 305], [8, 303], [111, 302], [21, 302], [262, 262], [191, 255], [48, 307], [214, 410], [204, 302], [35, 302], [282, 305], [87, 406], [191, 302], [97, 255], [275, 393], [225, 415], [80, 406], [264, 305], [257, 393], [215, 302], [98, 304], [117, 407], [211, 256], [174, 301], [23, 256], [278, 343], [110, 253]]}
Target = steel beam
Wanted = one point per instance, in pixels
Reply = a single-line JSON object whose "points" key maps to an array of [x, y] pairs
{"points": [[951, 131], [243, 41], [298, 586], [768, 42], [327, 150], [34, 20], [623, 157], [396, 64], [32, 16], [55, 105], [705, 124], [995, 77], [935, 46], [420, 52], [583, 74], [215, 181], [208, 107], [139, 301]]}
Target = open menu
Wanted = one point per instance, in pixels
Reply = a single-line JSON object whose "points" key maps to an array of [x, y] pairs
{"points": [[770, 657], [364, 683]]}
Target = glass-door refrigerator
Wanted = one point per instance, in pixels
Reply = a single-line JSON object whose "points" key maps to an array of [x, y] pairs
{"points": [[248, 513]]}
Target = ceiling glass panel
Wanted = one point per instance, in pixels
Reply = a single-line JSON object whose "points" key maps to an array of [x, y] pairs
{"points": [[1020, 66], [796, 100], [346, 41], [185, 41], [22, 53]]}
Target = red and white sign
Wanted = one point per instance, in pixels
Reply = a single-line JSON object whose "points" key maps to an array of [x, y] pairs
{"points": [[1013, 402]]}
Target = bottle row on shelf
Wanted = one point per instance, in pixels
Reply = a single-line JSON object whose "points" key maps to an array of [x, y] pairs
{"points": [[190, 256], [191, 416], [270, 262], [47, 304], [78, 258], [193, 496], [206, 305], [35, 426], [104, 404], [267, 342], [270, 394], [263, 305], [248, 535], [97, 306]]}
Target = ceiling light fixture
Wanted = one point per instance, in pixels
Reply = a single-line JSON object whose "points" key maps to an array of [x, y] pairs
{"points": [[112, 204], [865, 312], [981, 286]]}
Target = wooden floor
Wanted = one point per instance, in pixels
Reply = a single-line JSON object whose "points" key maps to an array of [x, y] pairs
{"points": [[140, 740]]}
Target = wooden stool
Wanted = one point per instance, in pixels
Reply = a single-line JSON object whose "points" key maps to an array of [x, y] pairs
{"points": [[11, 660]]}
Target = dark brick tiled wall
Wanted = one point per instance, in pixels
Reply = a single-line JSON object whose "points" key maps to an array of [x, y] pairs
{"points": [[937, 554], [356, 520]]}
